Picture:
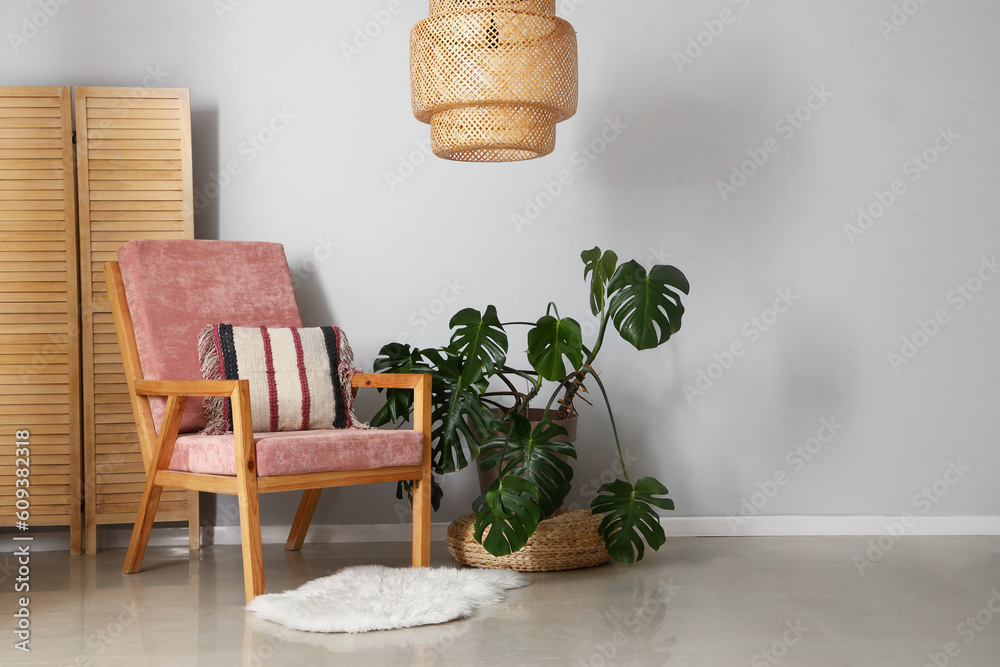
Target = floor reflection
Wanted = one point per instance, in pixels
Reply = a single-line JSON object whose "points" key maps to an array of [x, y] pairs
{"points": [[262, 640], [635, 612]]}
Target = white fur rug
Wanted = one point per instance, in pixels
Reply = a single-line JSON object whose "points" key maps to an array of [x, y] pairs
{"points": [[373, 597]]}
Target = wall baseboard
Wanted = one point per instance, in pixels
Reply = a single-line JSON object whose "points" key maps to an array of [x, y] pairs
{"points": [[816, 526], [116, 537]]}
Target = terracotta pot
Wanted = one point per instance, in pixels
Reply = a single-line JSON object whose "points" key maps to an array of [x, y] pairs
{"points": [[487, 477]]}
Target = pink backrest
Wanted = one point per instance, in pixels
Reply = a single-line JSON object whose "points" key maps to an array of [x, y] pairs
{"points": [[175, 288]]}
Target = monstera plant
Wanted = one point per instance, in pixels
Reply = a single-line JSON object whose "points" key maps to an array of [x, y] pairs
{"points": [[480, 406]]}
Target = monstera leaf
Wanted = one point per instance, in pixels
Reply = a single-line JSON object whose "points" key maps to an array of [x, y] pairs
{"points": [[396, 358], [510, 511], [455, 403], [647, 309], [629, 517], [480, 340], [549, 341], [515, 449], [455, 411], [603, 267]]}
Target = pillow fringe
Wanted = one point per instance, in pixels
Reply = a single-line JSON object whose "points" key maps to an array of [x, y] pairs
{"points": [[346, 371], [211, 369]]}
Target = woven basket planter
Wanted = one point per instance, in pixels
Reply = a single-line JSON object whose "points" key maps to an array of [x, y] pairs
{"points": [[566, 541]]}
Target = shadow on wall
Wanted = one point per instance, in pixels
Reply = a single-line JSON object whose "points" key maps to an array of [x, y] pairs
{"points": [[314, 303], [207, 188]]}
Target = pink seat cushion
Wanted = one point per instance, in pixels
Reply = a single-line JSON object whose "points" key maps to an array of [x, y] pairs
{"points": [[177, 287], [299, 452]]}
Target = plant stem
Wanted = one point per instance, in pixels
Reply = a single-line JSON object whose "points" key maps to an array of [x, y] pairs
{"points": [[495, 404], [562, 383], [510, 385], [614, 428], [519, 398], [573, 384], [600, 338], [503, 454], [527, 375], [573, 389], [536, 383]]}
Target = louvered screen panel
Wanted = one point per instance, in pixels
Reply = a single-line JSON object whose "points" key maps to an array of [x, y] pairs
{"points": [[39, 313], [134, 157]]}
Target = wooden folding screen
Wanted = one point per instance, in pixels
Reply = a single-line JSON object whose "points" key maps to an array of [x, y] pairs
{"points": [[39, 314], [134, 158]]}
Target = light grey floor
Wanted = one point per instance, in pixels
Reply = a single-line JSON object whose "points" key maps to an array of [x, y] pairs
{"points": [[698, 602]]}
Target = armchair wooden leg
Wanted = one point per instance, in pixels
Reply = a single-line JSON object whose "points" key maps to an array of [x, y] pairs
{"points": [[253, 556], [194, 521], [143, 525], [423, 486], [151, 491], [303, 517], [422, 523], [246, 492]]}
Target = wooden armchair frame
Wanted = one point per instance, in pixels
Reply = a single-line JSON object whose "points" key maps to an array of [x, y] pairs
{"points": [[246, 485]]}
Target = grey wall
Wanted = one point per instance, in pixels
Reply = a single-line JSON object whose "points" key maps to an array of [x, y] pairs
{"points": [[390, 247]]}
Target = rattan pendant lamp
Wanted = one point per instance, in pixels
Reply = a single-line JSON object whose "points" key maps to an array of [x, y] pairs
{"points": [[493, 77]]}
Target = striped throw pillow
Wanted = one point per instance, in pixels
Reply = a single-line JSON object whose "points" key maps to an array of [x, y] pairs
{"points": [[300, 379]]}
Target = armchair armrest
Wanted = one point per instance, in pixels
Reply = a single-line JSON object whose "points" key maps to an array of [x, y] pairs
{"points": [[420, 383], [186, 387], [177, 393], [388, 380]]}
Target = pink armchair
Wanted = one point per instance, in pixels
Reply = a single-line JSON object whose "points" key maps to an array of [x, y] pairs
{"points": [[162, 294]]}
